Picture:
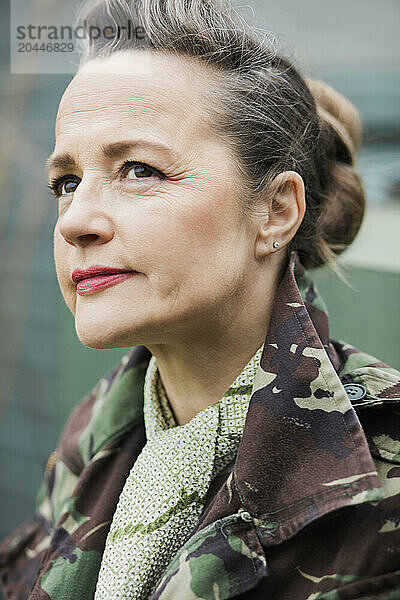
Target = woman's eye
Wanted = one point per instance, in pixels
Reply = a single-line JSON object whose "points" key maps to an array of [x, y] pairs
{"points": [[135, 170], [64, 185], [68, 187]]}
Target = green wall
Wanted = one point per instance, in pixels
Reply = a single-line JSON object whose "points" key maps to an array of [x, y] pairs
{"points": [[367, 316]]}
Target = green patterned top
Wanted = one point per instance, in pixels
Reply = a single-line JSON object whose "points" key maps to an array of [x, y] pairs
{"points": [[164, 495]]}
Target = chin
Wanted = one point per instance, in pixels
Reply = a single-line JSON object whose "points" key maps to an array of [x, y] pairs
{"points": [[101, 338]]}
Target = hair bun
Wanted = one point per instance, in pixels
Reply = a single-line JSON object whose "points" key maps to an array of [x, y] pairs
{"points": [[339, 112]]}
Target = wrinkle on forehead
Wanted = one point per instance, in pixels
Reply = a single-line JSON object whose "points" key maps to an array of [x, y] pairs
{"points": [[89, 101], [164, 85]]}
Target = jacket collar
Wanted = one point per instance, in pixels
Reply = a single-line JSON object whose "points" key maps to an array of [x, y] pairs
{"points": [[303, 451]]}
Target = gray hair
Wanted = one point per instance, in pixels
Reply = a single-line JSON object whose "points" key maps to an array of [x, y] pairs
{"points": [[271, 117]]}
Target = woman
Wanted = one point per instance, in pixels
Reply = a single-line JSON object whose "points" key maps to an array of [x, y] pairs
{"points": [[237, 451]]}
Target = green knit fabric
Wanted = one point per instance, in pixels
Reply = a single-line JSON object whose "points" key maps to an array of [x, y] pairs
{"points": [[164, 494]]}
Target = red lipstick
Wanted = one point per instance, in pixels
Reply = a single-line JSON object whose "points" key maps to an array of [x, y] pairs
{"points": [[98, 277]]}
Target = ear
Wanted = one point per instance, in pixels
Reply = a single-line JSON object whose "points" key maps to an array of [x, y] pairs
{"points": [[285, 214]]}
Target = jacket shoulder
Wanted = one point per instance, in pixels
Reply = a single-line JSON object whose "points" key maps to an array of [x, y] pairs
{"points": [[93, 424], [352, 358], [78, 423], [114, 405], [373, 388]]}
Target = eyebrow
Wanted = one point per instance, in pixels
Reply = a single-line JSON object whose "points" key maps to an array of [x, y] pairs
{"points": [[111, 151]]}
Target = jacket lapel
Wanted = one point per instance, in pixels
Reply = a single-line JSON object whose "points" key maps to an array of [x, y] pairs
{"points": [[303, 451]]}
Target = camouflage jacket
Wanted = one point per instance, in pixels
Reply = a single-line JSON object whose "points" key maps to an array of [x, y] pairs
{"points": [[308, 510]]}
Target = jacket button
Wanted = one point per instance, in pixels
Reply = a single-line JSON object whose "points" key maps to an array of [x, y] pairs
{"points": [[246, 516], [355, 391]]}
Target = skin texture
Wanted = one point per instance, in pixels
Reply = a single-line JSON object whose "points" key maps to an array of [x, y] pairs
{"points": [[207, 276]]}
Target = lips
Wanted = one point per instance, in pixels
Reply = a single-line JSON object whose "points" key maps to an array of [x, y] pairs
{"points": [[97, 277], [96, 271]]}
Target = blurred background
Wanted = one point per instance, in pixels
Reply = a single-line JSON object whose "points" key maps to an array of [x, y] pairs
{"points": [[44, 369]]}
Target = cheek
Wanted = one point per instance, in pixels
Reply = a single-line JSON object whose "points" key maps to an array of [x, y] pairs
{"points": [[59, 255], [200, 251], [211, 233], [208, 224], [63, 269], [175, 235]]}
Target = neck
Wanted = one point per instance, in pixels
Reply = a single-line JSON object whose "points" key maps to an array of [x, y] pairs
{"points": [[197, 372]]}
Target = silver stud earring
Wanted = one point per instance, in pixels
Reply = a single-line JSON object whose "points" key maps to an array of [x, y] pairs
{"points": [[275, 244]]}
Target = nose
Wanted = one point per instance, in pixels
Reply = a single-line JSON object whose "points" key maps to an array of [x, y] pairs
{"points": [[84, 221]]}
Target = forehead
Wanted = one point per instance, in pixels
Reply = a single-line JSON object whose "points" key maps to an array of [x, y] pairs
{"points": [[134, 89]]}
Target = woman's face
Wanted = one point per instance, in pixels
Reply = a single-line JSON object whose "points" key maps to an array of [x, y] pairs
{"points": [[167, 213]]}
